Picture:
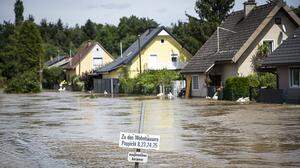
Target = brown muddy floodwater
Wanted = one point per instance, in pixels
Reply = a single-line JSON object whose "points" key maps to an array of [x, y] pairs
{"points": [[72, 130]]}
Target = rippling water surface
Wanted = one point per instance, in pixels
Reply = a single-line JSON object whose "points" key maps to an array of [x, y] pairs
{"points": [[73, 130]]}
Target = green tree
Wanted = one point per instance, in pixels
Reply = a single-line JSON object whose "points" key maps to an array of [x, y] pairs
{"points": [[213, 10], [19, 9], [90, 29], [297, 10], [30, 46]]}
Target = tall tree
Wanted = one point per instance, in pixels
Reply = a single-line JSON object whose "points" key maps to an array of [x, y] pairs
{"points": [[90, 29], [19, 9], [213, 10], [30, 46]]}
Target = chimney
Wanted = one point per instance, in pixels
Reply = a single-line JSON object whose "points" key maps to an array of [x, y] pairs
{"points": [[248, 6]]}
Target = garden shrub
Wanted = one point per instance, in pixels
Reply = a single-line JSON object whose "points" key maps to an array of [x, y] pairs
{"points": [[236, 87], [2, 82], [268, 80], [52, 77], [77, 84], [259, 80], [148, 81], [24, 83]]}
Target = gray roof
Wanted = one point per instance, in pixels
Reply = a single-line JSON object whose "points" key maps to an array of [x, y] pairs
{"points": [[132, 51], [55, 60], [287, 53], [230, 42]]}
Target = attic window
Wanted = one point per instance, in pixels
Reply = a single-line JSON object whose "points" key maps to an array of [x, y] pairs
{"points": [[97, 49], [278, 21], [162, 41]]}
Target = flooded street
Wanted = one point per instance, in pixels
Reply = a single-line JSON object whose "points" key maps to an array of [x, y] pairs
{"points": [[73, 130]]}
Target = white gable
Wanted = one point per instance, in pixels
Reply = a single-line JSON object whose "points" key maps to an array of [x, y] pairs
{"points": [[163, 33]]}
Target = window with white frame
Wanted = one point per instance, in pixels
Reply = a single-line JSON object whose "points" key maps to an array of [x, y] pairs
{"points": [[270, 44], [174, 59], [195, 82], [295, 77]]}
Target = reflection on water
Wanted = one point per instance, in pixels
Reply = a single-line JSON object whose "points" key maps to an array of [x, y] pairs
{"points": [[72, 130]]}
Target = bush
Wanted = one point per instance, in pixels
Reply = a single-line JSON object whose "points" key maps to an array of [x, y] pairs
{"points": [[127, 86], [24, 83], [2, 82], [268, 80], [236, 87], [77, 84], [148, 82], [52, 77]]}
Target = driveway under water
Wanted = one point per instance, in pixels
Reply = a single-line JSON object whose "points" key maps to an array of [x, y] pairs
{"points": [[73, 130]]}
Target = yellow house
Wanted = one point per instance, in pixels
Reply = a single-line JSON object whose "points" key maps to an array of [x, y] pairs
{"points": [[91, 56], [159, 50]]}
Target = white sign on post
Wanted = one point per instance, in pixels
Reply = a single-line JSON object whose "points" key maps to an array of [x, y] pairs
{"points": [[138, 157], [139, 141]]}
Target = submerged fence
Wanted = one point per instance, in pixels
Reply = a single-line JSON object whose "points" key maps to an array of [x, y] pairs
{"points": [[108, 85]]}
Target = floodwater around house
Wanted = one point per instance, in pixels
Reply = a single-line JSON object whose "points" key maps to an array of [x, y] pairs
{"points": [[72, 130]]}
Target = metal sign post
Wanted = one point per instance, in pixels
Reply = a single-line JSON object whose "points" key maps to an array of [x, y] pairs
{"points": [[139, 141], [141, 125]]}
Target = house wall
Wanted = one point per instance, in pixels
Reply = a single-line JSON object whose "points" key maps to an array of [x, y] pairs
{"points": [[226, 70], [291, 95], [271, 32], [283, 77], [86, 64], [163, 52]]}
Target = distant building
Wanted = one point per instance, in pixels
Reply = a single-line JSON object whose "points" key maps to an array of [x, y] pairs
{"points": [[159, 50], [229, 51], [91, 56], [285, 60]]}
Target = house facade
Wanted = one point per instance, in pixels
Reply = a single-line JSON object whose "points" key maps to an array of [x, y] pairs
{"points": [[230, 50], [91, 55], [285, 61], [158, 50]]}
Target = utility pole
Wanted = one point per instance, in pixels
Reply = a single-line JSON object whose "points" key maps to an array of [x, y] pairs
{"points": [[79, 63], [139, 41], [121, 49], [141, 125]]}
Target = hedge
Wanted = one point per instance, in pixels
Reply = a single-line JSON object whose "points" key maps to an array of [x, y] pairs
{"points": [[236, 87]]}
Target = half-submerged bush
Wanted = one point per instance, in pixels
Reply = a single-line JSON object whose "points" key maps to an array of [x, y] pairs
{"points": [[77, 83], [236, 87], [52, 77], [24, 83]]}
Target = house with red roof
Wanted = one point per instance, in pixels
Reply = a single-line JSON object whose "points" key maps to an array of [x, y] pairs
{"points": [[91, 56]]}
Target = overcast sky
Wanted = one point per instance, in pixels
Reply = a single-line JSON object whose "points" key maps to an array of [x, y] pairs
{"points": [[71, 12]]}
